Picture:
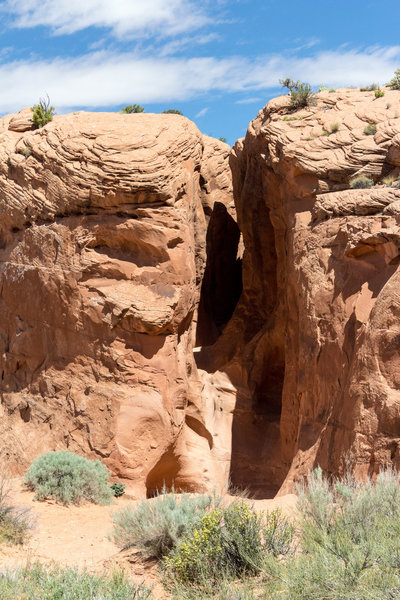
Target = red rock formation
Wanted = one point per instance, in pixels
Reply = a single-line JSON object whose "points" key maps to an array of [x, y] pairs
{"points": [[308, 368], [120, 268], [102, 254]]}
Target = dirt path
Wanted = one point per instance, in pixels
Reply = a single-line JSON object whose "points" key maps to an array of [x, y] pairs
{"points": [[78, 536]]}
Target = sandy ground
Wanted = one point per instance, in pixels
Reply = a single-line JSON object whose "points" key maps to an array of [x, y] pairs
{"points": [[78, 536]]}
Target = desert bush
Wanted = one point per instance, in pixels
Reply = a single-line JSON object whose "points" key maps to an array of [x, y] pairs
{"points": [[394, 84], [228, 542], [223, 139], [360, 183], [43, 112], [300, 93], [350, 541], [156, 526], [132, 108], [243, 589], [15, 521], [25, 151], [118, 489], [369, 88], [55, 583], [370, 129], [172, 111], [332, 90], [334, 127], [388, 181], [379, 93], [68, 478]]}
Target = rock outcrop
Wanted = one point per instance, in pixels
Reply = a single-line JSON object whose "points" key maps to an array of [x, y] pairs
{"points": [[307, 370], [103, 222], [140, 323]]}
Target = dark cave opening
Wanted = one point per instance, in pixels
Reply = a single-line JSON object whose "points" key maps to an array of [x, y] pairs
{"points": [[222, 281]]}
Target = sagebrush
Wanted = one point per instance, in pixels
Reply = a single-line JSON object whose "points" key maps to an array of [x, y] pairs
{"points": [[15, 521], [68, 478], [350, 541], [157, 526], [39, 582], [362, 182]]}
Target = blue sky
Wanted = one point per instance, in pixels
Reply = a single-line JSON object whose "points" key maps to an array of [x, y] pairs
{"points": [[217, 61]]}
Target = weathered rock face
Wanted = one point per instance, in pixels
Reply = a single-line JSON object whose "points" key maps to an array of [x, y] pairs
{"points": [[308, 370], [122, 335], [102, 255]]}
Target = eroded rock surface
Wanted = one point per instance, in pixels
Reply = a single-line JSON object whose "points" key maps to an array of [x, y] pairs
{"points": [[307, 370], [122, 334], [102, 256]]}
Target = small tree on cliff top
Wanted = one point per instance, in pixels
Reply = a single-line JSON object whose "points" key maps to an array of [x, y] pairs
{"points": [[132, 108], [301, 94]]}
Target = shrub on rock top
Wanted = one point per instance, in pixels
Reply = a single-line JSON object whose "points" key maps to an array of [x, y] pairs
{"points": [[394, 84], [42, 113], [300, 93], [172, 111], [132, 108], [68, 478], [360, 183]]}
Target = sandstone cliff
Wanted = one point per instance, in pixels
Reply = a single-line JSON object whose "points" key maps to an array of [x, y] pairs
{"points": [[312, 351], [122, 335], [103, 221]]}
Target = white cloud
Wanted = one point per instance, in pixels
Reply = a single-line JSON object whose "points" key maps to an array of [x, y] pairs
{"points": [[123, 17], [201, 113], [248, 100], [107, 79]]}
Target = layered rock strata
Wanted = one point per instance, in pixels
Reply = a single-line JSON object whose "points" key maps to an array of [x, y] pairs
{"points": [[103, 225], [307, 370]]}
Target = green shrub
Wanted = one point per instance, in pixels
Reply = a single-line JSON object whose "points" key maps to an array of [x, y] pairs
{"points": [[156, 526], [394, 84], [293, 118], [39, 582], [25, 151], [223, 139], [172, 111], [132, 108], [370, 129], [332, 90], [334, 127], [379, 93], [369, 88], [350, 541], [68, 478], [300, 93], [228, 543], [360, 183], [15, 521], [42, 113], [118, 489]]}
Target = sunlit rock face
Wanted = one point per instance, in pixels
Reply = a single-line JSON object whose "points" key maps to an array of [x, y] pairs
{"points": [[308, 367], [142, 325], [103, 225]]}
